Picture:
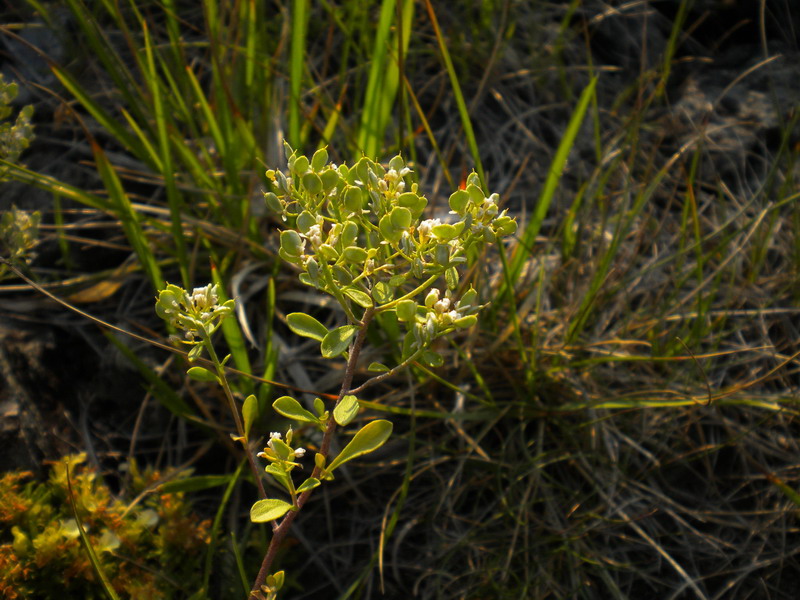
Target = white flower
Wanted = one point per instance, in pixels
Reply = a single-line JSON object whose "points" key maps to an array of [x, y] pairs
{"points": [[441, 306], [427, 225], [300, 452], [274, 435], [314, 235]]}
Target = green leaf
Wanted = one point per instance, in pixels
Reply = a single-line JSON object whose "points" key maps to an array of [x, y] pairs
{"points": [[406, 310], [291, 409], [432, 359], [305, 221], [279, 475], [444, 231], [382, 292], [354, 254], [376, 367], [306, 326], [308, 484], [346, 410], [401, 217], [458, 201], [319, 406], [249, 412], [388, 230], [413, 202], [371, 437], [202, 374], [291, 242], [337, 341], [353, 199], [359, 297], [465, 322], [312, 183], [98, 569], [264, 511], [319, 160], [276, 581]]}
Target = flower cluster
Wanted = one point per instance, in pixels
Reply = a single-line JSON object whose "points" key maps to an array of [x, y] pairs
{"points": [[282, 459], [19, 233], [356, 233], [197, 315], [15, 136], [279, 451]]}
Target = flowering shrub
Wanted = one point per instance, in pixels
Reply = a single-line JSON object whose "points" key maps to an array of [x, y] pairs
{"points": [[357, 234]]}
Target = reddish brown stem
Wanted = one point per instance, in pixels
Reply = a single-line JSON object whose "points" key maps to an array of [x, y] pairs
{"points": [[280, 532]]}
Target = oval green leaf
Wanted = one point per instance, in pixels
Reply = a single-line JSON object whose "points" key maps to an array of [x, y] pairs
{"points": [[306, 325], [346, 410], [264, 511], [406, 310], [319, 160], [291, 242], [201, 374], [382, 292], [359, 297], [291, 409], [389, 232], [354, 254], [337, 341], [445, 231], [458, 201], [308, 484], [249, 412], [401, 217], [305, 221], [312, 183], [371, 437]]}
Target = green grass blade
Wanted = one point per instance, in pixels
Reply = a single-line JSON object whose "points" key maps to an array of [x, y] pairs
{"points": [[129, 218], [384, 77], [122, 135], [240, 570], [107, 53], [233, 337], [463, 111], [87, 544], [174, 199], [528, 238], [209, 116], [296, 68], [270, 350], [215, 527], [55, 186]]}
